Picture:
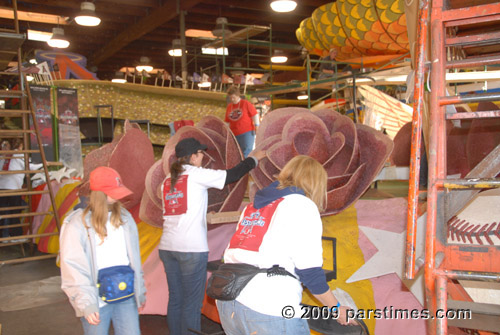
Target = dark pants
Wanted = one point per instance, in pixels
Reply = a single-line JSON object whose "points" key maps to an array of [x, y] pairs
{"points": [[186, 278], [11, 201]]}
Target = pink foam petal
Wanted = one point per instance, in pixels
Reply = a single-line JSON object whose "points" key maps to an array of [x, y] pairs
{"points": [[268, 142], [213, 123], [311, 144], [337, 163], [279, 154], [149, 212], [374, 150], [338, 181], [346, 126], [328, 117], [304, 122], [340, 198], [269, 169], [233, 201], [233, 151], [154, 178], [274, 121], [259, 176], [251, 192], [96, 158], [131, 158], [218, 142], [216, 198], [130, 125]]}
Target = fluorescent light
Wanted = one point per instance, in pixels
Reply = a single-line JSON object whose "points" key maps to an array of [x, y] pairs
{"points": [[118, 80], [144, 65], [279, 59], [147, 68], [58, 40], [175, 52], [35, 35], [213, 51], [302, 96], [199, 33], [283, 6], [87, 16], [205, 84], [29, 77], [33, 61]]}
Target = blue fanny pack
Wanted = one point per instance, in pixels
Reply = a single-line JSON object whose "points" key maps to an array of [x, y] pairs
{"points": [[115, 283]]}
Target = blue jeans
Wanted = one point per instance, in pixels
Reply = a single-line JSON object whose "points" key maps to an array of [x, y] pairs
{"points": [[237, 319], [186, 278], [246, 141], [124, 315]]}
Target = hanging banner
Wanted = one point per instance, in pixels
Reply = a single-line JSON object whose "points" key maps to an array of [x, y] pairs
{"points": [[70, 149], [43, 113]]}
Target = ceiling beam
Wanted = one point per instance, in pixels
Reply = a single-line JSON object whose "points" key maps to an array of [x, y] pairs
{"points": [[143, 26]]}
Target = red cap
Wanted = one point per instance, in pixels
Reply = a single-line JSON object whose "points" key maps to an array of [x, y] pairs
{"points": [[107, 180]]}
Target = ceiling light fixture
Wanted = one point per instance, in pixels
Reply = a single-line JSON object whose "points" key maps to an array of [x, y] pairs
{"points": [[283, 6], [205, 84], [302, 96], [35, 35], [119, 78], [278, 57], [58, 40], [144, 65], [176, 50], [221, 27], [87, 16], [212, 51]]}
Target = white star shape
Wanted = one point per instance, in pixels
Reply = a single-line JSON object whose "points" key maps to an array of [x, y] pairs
{"points": [[390, 257]]}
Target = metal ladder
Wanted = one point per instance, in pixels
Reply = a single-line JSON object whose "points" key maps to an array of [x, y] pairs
{"points": [[10, 48], [446, 263]]}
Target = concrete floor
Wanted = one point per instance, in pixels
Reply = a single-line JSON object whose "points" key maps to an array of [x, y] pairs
{"points": [[58, 318]]}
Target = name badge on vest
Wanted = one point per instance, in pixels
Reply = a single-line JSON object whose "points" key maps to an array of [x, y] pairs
{"points": [[175, 201], [252, 228]]}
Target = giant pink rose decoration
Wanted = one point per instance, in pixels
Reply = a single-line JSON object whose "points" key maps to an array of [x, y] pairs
{"points": [[352, 154], [223, 153]]}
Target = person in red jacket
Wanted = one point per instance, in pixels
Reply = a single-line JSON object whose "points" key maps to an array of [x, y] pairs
{"points": [[243, 120]]}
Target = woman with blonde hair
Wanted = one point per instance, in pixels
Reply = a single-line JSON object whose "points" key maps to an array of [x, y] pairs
{"points": [[281, 227], [100, 259]]}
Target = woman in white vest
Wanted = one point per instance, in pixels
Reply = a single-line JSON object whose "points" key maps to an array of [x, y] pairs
{"points": [[183, 246], [281, 227]]}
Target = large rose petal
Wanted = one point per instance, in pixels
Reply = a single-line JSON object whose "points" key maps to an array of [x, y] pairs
{"points": [[340, 198], [154, 178], [149, 212], [132, 158], [352, 154], [304, 122], [274, 121], [233, 201], [280, 153]]}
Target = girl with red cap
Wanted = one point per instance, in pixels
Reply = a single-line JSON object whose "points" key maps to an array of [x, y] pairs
{"points": [[100, 259]]}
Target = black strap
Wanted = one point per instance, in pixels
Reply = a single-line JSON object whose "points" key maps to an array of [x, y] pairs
{"points": [[277, 270]]}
